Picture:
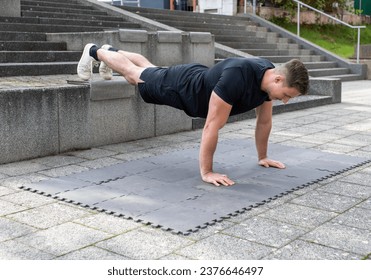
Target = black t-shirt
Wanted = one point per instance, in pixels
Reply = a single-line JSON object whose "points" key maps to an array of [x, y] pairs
{"points": [[235, 80], [188, 87], [238, 82]]}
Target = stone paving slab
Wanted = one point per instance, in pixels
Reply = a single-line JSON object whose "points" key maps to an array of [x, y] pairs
{"points": [[347, 189], [357, 218], [302, 250], [165, 191], [350, 239], [92, 253], [62, 239], [13, 250], [225, 247], [299, 215], [266, 232], [327, 201], [11, 229], [144, 243], [48, 216]]}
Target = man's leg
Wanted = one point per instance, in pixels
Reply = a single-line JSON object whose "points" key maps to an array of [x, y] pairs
{"points": [[121, 64], [138, 59], [130, 65]]}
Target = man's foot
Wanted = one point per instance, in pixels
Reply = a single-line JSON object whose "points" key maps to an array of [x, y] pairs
{"points": [[104, 71], [85, 66]]}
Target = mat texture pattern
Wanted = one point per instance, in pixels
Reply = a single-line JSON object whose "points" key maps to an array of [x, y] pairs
{"points": [[166, 190]]}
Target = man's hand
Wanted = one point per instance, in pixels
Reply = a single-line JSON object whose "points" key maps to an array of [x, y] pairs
{"points": [[217, 179], [266, 162]]}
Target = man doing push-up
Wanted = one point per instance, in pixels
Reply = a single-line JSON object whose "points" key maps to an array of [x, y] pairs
{"points": [[233, 86]]}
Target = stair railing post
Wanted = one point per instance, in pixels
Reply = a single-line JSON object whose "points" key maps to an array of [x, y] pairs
{"points": [[358, 43], [298, 21], [254, 7], [244, 7]]}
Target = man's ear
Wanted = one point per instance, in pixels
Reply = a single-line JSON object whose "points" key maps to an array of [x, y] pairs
{"points": [[279, 78]]}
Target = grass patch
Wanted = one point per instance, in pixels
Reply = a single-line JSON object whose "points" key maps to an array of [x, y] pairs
{"points": [[338, 39]]}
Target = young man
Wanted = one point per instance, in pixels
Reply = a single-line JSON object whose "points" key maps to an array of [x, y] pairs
{"points": [[233, 86]]}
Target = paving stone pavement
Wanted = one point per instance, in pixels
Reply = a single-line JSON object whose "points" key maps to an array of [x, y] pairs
{"points": [[327, 220]]}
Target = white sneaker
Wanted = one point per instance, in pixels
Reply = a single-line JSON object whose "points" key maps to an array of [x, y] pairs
{"points": [[85, 66], [104, 71]]}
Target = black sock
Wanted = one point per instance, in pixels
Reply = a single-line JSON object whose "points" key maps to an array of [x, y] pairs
{"points": [[93, 52], [112, 49]]}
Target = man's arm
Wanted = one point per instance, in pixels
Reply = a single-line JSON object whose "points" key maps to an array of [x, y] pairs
{"points": [[262, 131], [217, 116]]}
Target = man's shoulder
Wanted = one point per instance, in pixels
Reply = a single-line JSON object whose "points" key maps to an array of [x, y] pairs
{"points": [[247, 61]]}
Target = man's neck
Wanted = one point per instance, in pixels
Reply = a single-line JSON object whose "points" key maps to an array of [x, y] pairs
{"points": [[267, 77]]}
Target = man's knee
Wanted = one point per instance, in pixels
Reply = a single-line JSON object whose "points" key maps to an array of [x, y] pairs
{"points": [[133, 75]]}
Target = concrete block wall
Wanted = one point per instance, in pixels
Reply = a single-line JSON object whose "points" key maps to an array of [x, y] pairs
{"points": [[40, 122], [10, 8], [326, 87]]}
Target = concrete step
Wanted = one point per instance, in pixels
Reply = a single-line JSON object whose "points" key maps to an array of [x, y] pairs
{"points": [[19, 20], [74, 22], [285, 58], [31, 46], [190, 25], [60, 4], [257, 43], [37, 68], [270, 46], [38, 56], [346, 77], [21, 36], [256, 46], [21, 27], [219, 31], [328, 72], [320, 65], [76, 2], [242, 44], [234, 38], [70, 16], [61, 10], [58, 1], [276, 52], [90, 23], [278, 40]]}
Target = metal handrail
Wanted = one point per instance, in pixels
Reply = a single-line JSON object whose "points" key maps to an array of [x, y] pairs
{"points": [[331, 17], [129, 2]]}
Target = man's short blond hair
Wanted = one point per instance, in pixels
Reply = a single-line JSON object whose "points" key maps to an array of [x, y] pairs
{"points": [[296, 75]]}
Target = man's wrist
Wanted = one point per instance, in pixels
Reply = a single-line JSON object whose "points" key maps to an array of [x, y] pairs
{"points": [[205, 173]]}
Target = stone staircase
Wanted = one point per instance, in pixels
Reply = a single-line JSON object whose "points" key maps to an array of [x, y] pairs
{"points": [[245, 35], [24, 50]]}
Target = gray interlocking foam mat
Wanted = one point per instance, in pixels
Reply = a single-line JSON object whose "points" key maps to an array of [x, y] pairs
{"points": [[166, 190]]}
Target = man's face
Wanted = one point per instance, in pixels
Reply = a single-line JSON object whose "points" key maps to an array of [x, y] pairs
{"points": [[279, 90]]}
